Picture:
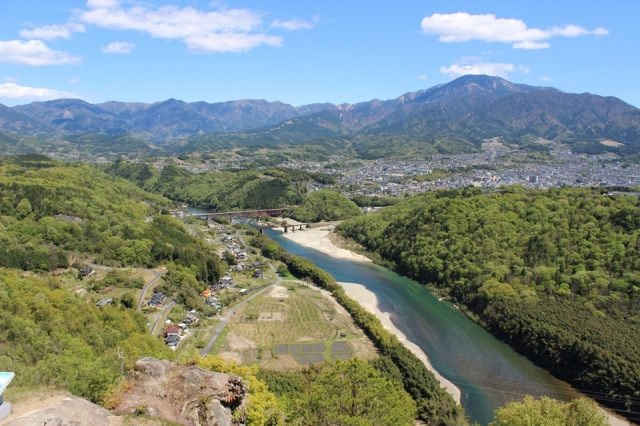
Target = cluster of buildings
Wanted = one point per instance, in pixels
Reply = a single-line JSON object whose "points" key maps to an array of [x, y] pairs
{"points": [[491, 168], [174, 333]]}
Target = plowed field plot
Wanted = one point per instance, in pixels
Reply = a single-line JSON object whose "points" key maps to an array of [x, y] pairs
{"points": [[340, 347], [341, 356], [313, 352], [319, 347], [315, 358], [302, 360], [281, 349]]}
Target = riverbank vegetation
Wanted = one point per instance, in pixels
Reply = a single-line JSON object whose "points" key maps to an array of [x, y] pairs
{"points": [[550, 412], [554, 273]]}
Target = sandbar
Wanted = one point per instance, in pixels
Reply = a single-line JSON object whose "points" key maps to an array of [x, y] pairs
{"points": [[318, 239]]}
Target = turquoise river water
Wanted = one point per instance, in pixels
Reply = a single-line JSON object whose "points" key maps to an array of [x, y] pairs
{"points": [[487, 371]]}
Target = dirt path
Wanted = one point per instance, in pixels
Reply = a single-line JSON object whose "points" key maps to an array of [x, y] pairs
{"points": [[227, 317]]}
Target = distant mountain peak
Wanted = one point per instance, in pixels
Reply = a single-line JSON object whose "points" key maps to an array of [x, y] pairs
{"points": [[475, 105]]}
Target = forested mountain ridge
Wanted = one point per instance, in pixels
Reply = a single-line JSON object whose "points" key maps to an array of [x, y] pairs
{"points": [[221, 191], [553, 272], [158, 121], [452, 117], [50, 210], [18, 123]]}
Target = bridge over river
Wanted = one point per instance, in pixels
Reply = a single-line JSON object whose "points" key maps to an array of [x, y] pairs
{"points": [[253, 214], [244, 213]]}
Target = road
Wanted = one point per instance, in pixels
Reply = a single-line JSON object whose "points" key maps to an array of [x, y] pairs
{"points": [[227, 317], [156, 277], [161, 315]]}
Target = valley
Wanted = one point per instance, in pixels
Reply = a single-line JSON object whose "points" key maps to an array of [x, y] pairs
{"points": [[526, 230]]}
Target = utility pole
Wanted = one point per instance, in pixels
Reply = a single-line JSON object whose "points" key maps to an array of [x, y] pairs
{"points": [[121, 356]]}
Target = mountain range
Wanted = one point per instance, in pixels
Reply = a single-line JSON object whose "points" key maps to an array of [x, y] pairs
{"points": [[455, 116]]}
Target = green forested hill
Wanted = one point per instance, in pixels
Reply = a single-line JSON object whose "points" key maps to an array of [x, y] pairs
{"points": [[553, 272], [53, 215], [221, 191], [325, 205], [50, 337], [103, 217]]}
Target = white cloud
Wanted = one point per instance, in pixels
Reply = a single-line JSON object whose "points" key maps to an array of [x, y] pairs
{"points": [[224, 30], [12, 79], [531, 45], [461, 26], [292, 24], [51, 32], [102, 3], [230, 42], [74, 80], [122, 47], [498, 69], [545, 78], [14, 91], [422, 77], [34, 52]]}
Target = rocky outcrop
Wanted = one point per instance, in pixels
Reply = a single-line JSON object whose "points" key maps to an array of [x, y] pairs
{"points": [[184, 395], [160, 390], [65, 410]]}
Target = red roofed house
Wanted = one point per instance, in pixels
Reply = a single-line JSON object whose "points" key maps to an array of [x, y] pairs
{"points": [[172, 330]]}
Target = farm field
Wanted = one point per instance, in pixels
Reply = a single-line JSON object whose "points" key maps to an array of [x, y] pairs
{"points": [[292, 326]]}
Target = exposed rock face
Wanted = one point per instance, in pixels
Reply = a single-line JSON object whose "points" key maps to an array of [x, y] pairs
{"points": [[65, 411], [184, 395], [160, 389]]}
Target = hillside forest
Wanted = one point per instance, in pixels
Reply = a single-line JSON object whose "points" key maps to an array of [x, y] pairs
{"points": [[270, 188]]}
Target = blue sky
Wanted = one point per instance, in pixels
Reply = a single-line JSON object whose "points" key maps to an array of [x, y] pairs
{"points": [[302, 52]]}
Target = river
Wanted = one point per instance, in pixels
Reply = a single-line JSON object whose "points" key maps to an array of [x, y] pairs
{"points": [[487, 371]]}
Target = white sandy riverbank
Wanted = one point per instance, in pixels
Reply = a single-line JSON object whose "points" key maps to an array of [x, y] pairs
{"points": [[318, 239], [369, 302]]}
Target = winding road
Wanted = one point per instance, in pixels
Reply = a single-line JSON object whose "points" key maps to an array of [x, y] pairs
{"points": [[156, 276], [161, 315]]}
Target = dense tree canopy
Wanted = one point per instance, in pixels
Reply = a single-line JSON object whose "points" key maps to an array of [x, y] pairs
{"points": [[49, 210], [221, 191], [353, 393], [50, 336], [325, 205], [550, 412]]}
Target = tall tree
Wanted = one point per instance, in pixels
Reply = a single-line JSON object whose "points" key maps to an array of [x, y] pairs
{"points": [[353, 393]]}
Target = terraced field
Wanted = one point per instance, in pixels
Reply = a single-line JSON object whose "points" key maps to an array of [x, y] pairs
{"points": [[296, 325]]}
